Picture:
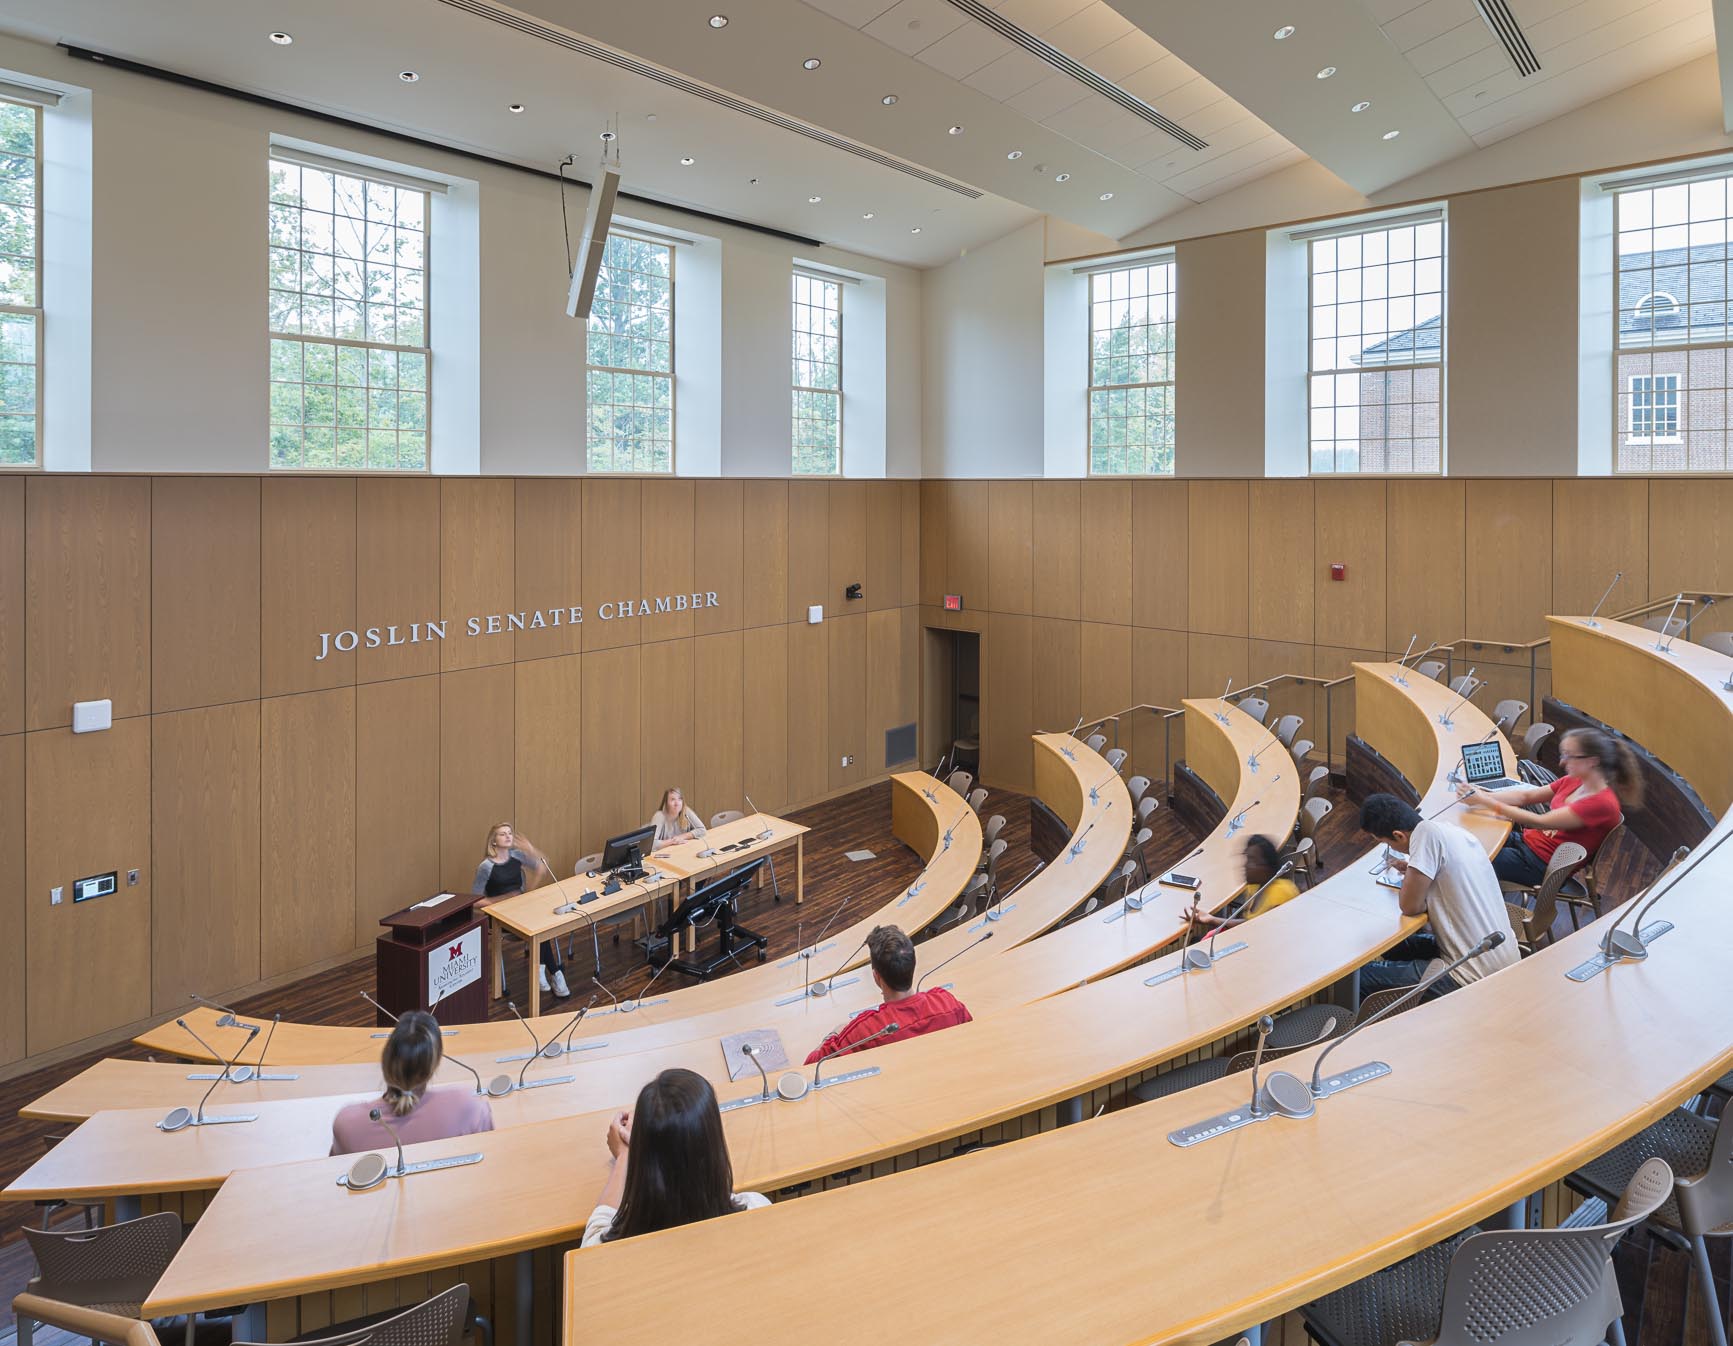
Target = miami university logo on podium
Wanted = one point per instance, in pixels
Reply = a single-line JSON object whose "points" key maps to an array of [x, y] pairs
{"points": [[453, 966]]}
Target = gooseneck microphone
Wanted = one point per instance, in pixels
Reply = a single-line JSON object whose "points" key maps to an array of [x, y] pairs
{"points": [[631, 1006], [993, 911], [570, 908], [179, 1118], [1485, 946], [577, 1019], [597, 982], [228, 1018], [371, 1169], [846, 1048], [378, 1115], [1590, 620], [376, 1005], [252, 1032], [1078, 845], [1266, 1026], [1403, 661], [757, 813], [1267, 744], [751, 1054], [953, 827], [1239, 819], [974, 943], [1619, 945], [512, 1006], [214, 1053], [820, 989], [498, 1087], [1444, 719], [1668, 646]]}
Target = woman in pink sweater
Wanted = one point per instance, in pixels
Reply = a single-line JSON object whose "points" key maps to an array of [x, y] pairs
{"points": [[412, 1054]]}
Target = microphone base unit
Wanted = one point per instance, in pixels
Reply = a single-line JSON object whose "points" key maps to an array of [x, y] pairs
{"points": [[585, 1046], [1125, 908], [246, 1075], [915, 890], [1598, 964], [753, 1100], [1181, 968], [1344, 1080], [1281, 1095], [814, 993], [1075, 851], [542, 1084], [420, 1166], [210, 1119], [626, 1008], [805, 954], [1399, 680], [1068, 755], [992, 917]]}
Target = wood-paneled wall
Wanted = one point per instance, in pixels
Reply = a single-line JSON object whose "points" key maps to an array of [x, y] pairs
{"points": [[277, 805], [1093, 596]]}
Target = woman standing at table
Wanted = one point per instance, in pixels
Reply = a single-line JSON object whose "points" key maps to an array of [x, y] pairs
{"points": [[674, 821], [1584, 804], [511, 865], [670, 1163]]}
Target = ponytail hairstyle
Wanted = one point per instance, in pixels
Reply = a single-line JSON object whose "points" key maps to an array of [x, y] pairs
{"points": [[1614, 758], [412, 1053]]}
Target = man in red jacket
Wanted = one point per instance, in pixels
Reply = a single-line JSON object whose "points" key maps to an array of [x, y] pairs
{"points": [[913, 1012]]}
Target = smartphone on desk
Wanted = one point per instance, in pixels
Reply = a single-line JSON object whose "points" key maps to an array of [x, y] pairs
{"points": [[1177, 880], [1386, 872]]}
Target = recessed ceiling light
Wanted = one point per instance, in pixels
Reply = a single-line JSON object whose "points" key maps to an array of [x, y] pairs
{"points": [[811, 63], [1284, 32], [867, 216], [408, 76], [889, 100], [608, 137], [718, 20], [916, 229], [956, 130], [1391, 135], [1360, 107], [1107, 196], [1015, 154], [514, 107], [1326, 72], [1063, 177], [813, 200], [281, 39], [688, 160]]}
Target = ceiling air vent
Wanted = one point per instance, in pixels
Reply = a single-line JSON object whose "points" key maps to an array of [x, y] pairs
{"points": [[1509, 34], [1078, 71], [595, 51]]}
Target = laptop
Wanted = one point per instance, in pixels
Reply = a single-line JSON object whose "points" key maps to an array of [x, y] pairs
{"points": [[1483, 767]]}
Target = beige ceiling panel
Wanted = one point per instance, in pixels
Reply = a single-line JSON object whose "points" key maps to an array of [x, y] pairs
{"points": [[1051, 95], [970, 48], [1008, 76], [1427, 21], [855, 13], [1125, 56], [1088, 30], [1461, 42], [914, 25], [1037, 16]]}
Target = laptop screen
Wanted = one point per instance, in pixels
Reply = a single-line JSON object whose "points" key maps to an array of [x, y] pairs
{"points": [[1482, 761]]}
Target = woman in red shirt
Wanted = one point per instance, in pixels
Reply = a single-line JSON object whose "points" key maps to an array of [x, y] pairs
{"points": [[1583, 805]]}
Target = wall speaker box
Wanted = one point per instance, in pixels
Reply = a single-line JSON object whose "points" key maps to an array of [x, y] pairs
{"points": [[591, 243]]}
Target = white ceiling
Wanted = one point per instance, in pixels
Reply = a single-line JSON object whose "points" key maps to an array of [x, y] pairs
{"points": [[1430, 69]]}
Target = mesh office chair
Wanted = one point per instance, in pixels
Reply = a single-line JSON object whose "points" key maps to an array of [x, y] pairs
{"points": [[442, 1320], [1507, 712], [1146, 807], [1210, 1068], [1431, 668], [1517, 1287], [1312, 814], [977, 893], [1701, 1205], [111, 1268], [1528, 764], [1582, 891], [726, 816], [1662, 624], [990, 858], [1533, 925], [1256, 707], [1304, 859]]}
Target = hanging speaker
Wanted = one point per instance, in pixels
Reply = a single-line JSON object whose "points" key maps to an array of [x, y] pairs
{"points": [[591, 243]]}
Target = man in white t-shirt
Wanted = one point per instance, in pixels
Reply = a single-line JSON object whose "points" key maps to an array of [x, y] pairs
{"points": [[1448, 879]]}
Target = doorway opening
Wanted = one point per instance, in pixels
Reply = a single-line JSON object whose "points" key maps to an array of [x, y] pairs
{"points": [[951, 698]]}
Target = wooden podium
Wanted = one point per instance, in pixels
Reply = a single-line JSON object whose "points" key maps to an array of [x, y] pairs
{"points": [[434, 955]]}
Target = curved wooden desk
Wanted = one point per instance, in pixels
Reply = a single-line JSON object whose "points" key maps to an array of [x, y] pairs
{"points": [[1380, 1171], [922, 810], [1026, 1059]]}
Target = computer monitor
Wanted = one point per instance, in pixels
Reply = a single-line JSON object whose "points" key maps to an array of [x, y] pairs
{"points": [[629, 847]]}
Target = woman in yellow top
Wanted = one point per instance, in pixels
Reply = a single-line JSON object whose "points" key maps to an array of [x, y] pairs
{"points": [[1262, 862]]}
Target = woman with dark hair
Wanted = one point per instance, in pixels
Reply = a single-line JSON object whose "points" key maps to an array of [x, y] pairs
{"points": [[1263, 860], [409, 1060], [670, 1163], [1584, 804]]}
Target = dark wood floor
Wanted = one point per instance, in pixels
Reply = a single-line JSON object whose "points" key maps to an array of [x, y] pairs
{"points": [[1654, 1287]]}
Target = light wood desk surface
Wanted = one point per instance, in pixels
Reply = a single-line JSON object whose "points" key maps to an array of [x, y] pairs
{"points": [[946, 873], [930, 1088], [1202, 1244]]}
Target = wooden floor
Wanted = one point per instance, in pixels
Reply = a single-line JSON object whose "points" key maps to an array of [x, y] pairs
{"points": [[1654, 1287]]}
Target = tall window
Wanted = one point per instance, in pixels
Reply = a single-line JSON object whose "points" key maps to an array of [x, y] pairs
{"points": [[817, 375], [630, 374], [350, 357], [1377, 362], [1131, 392], [1672, 333], [20, 286]]}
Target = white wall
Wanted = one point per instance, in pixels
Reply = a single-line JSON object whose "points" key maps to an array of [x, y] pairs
{"points": [[983, 326], [178, 330]]}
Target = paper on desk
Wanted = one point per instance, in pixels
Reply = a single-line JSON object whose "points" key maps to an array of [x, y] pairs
{"points": [[433, 901], [766, 1045]]}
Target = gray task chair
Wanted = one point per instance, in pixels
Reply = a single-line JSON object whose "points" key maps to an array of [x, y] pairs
{"points": [[1116, 757], [961, 781], [444, 1320], [1302, 749], [1137, 785], [1286, 728], [1256, 707], [1719, 641], [1466, 683], [977, 797], [1507, 712], [1095, 742], [995, 825], [1534, 925], [1431, 668], [111, 1268], [1517, 1287]]}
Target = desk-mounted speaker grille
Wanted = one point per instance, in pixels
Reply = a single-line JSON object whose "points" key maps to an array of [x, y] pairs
{"points": [[899, 745], [595, 51]]}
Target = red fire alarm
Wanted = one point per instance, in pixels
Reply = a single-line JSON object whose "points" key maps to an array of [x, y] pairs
{"points": [[953, 602], [1338, 571]]}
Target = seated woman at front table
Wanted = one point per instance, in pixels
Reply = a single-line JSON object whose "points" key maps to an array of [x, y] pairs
{"points": [[669, 1164], [674, 821], [912, 1012], [412, 1054], [1588, 801], [1263, 861], [511, 865]]}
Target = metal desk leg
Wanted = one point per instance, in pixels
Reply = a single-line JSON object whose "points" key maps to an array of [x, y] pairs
{"points": [[535, 946], [800, 869], [1513, 1216], [496, 937], [526, 1277]]}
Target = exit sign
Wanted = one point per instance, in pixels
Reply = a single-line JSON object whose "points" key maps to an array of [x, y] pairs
{"points": [[953, 602]]}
